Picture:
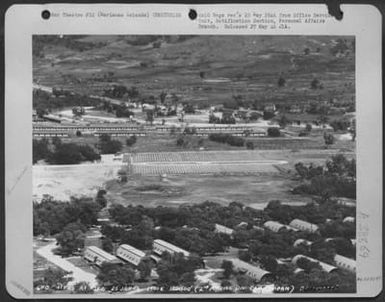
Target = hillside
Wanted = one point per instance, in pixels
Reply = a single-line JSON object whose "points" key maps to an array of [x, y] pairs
{"points": [[200, 68]]}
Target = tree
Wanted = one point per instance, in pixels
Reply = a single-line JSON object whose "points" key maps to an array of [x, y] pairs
{"points": [[190, 130], [162, 97], [250, 145], [308, 128], [109, 146], [227, 268], [56, 279], [283, 121], [56, 141], [306, 51], [273, 132], [71, 238], [115, 276], [100, 198], [182, 141], [308, 265], [176, 269], [83, 287], [65, 154], [244, 255], [137, 238], [85, 210], [107, 245], [281, 81], [315, 84], [267, 115], [40, 149], [269, 263], [245, 282], [187, 279], [150, 116], [352, 130], [329, 139], [131, 140], [144, 268]]}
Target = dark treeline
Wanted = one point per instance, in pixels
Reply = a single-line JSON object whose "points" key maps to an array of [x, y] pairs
{"points": [[192, 227], [227, 139], [60, 153], [51, 216]]}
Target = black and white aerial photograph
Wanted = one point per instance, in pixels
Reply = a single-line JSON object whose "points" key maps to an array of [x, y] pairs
{"points": [[194, 164]]}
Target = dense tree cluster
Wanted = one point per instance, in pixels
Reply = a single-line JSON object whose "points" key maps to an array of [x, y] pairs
{"points": [[119, 91], [177, 270], [337, 178], [53, 279], [115, 276], [44, 102], [227, 139], [226, 119], [340, 124], [71, 238], [109, 146], [273, 132], [131, 140], [51, 216], [59, 153], [122, 111]]}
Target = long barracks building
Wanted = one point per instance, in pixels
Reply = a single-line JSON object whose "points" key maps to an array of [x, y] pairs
{"points": [[45, 130]]}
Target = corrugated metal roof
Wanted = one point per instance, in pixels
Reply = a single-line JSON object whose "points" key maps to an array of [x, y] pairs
{"points": [[223, 229], [102, 253], [258, 272], [301, 224], [345, 262], [132, 249], [326, 267], [273, 225], [172, 247]]}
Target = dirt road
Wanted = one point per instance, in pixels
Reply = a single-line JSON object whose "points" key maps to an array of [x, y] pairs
{"points": [[77, 273]]}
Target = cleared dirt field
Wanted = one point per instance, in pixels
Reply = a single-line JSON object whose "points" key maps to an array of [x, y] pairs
{"points": [[267, 182], [204, 168], [189, 189], [64, 181]]}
